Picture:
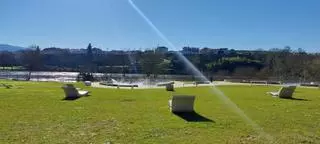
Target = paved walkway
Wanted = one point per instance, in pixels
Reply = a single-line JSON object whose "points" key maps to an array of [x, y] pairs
{"points": [[177, 84]]}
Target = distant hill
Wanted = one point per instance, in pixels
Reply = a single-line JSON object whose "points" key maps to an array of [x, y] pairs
{"points": [[6, 47]]}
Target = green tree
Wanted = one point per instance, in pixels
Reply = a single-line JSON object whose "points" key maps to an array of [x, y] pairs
{"points": [[31, 60], [247, 72], [164, 66], [150, 62], [89, 53], [313, 69], [7, 59], [89, 67]]}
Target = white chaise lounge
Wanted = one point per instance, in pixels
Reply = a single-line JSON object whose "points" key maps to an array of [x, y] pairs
{"points": [[181, 103], [284, 92], [72, 92]]}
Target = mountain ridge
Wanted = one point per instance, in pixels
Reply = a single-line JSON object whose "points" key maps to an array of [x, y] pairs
{"points": [[7, 47]]}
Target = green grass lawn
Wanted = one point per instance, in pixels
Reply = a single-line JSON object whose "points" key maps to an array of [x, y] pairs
{"points": [[33, 113]]}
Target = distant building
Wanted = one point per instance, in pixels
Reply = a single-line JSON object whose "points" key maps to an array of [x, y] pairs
{"points": [[214, 51], [206, 51], [190, 50], [223, 51], [161, 49]]}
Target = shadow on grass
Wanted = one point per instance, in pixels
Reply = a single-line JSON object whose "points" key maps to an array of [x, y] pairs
{"points": [[297, 99], [70, 98], [192, 117], [6, 86], [74, 98]]}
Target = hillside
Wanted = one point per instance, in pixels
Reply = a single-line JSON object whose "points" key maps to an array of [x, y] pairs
{"points": [[6, 47]]}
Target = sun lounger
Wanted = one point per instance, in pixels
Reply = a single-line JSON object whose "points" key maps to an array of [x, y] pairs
{"points": [[284, 92], [181, 103], [71, 92]]}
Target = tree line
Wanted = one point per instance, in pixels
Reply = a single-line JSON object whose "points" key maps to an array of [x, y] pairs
{"points": [[276, 63]]}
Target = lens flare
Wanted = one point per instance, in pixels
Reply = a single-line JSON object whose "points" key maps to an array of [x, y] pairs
{"points": [[196, 72]]}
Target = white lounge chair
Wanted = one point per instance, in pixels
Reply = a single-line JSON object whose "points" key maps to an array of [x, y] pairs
{"points": [[181, 103], [72, 92], [284, 92]]}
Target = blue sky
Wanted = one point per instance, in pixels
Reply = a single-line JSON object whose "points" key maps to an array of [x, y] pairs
{"points": [[114, 24]]}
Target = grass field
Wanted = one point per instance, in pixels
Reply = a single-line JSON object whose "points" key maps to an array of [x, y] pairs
{"points": [[33, 113]]}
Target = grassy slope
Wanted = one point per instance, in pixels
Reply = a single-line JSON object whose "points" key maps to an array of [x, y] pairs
{"points": [[35, 113]]}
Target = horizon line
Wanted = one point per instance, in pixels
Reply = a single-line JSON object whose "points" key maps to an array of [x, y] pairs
{"points": [[154, 47]]}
